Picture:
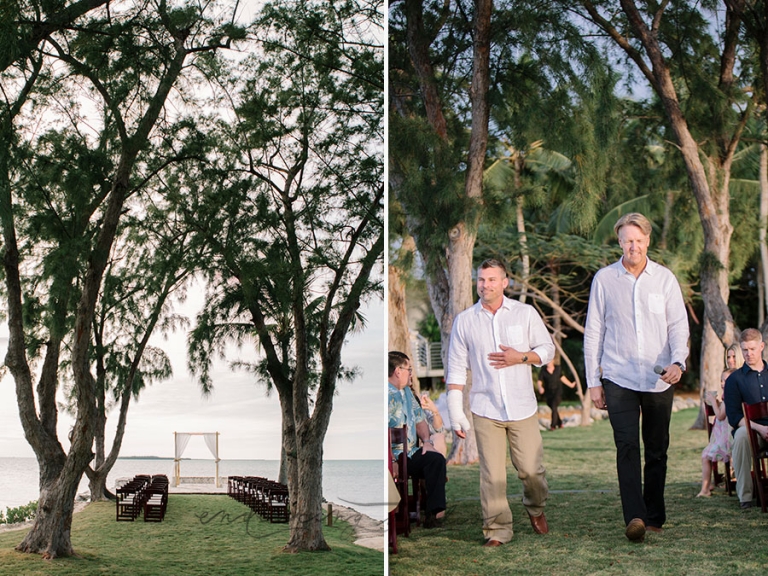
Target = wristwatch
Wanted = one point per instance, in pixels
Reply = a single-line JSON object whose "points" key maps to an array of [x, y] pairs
{"points": [[680, 365], [525, 358]]}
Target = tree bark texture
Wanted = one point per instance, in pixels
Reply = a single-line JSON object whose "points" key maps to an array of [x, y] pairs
{"points": [[398, 333], [103, 464], [763, 305], [307, 514], [520, 220], [51, 533], [712, 366]]}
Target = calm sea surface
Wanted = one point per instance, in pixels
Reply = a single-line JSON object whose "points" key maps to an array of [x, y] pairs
{"points": [[357, 484]]}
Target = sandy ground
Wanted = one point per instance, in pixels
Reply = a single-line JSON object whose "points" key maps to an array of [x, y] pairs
{"points": [[369, 532]]}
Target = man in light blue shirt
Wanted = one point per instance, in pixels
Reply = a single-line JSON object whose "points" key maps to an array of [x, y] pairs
{"points": [[423, 461], [635, 347]]}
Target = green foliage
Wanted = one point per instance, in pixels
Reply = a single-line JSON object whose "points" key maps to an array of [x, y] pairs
{"points": [[429, 328], [290, 202], [19, 514]]}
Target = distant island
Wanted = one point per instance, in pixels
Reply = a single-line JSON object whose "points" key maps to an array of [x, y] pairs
{"points": [[148, 458]]}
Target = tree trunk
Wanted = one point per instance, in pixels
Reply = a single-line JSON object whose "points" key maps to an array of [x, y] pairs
{"points": [[304, 467], [397, 328], [51, 533], [451, 292], [463, 450], [763, 305], [712, 354], [97, 474], [520, 219], [97, 484], [307, 514], [462, 236], [282, 475]]}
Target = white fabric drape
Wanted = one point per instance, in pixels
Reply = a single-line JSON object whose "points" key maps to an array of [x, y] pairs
{"points": [[182, 440], [210, 441]]}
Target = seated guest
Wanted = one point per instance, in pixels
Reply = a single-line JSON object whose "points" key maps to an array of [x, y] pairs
{"points": [[423, 462], [745, 385], [719, 447], [434, 420]]}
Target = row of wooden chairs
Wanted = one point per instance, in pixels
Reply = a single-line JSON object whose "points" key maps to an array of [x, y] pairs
{"points": [[156, 502], [267, 498], [144, 493]]}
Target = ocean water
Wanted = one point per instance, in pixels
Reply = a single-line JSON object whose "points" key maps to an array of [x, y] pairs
{"points": [[357, 484]]}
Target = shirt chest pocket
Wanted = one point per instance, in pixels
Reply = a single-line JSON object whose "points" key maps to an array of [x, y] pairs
{"points": [[514, 335], [656, 303]]}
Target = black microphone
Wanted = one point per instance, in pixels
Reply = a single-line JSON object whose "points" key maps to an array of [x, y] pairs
{"points": [[659, 370]]}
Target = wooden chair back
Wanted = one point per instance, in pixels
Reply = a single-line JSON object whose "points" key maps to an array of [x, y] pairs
{"points": [[752, 412], [401, 513]]}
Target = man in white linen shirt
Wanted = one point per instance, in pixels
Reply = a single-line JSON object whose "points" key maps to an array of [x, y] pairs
{"points": [[498, 339], [635, 347]]}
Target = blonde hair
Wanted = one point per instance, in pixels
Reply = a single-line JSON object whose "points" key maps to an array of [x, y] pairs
{"points": [[635, 219], [739, 356]]}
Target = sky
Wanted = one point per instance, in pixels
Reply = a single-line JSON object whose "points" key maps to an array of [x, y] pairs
{"points": [[248, 420]]}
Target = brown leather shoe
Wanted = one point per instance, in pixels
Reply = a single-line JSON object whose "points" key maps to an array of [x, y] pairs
{"points": [[539, 523], [657, 529], [492, 543], [636, 530]]}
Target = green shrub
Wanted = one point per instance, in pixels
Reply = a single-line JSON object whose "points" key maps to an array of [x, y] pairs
{"points": [[20, 514]]}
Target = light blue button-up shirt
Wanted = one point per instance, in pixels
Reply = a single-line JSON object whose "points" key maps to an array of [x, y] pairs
{"points": [[633, 325], [404, 409]]}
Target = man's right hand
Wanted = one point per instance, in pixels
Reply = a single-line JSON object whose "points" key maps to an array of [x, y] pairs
{"points": [[459, 420], [597, 394]]}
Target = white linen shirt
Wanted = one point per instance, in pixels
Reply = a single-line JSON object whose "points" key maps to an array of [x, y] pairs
{"points": [[504, 394], [633, 325]]}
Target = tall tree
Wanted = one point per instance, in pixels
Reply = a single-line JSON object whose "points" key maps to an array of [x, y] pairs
{"points": [[53, 274], [152, 262], [291, 205], [448, 249], [706, 107]]}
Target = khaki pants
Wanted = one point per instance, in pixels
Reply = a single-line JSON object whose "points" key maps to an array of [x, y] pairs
{"points": [[527, 452], [741, 460]]}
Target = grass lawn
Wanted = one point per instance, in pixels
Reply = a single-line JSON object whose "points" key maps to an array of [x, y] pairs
{"points": [[702, 535], [206, 535]]}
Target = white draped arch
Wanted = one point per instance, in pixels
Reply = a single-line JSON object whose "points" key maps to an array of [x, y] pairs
{"points": [[181, 439]]}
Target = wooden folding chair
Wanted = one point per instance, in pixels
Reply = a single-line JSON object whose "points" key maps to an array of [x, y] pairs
{"points": [[277, 504], [758, 411], [709, 414], [401, 513], [391, 519]]}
